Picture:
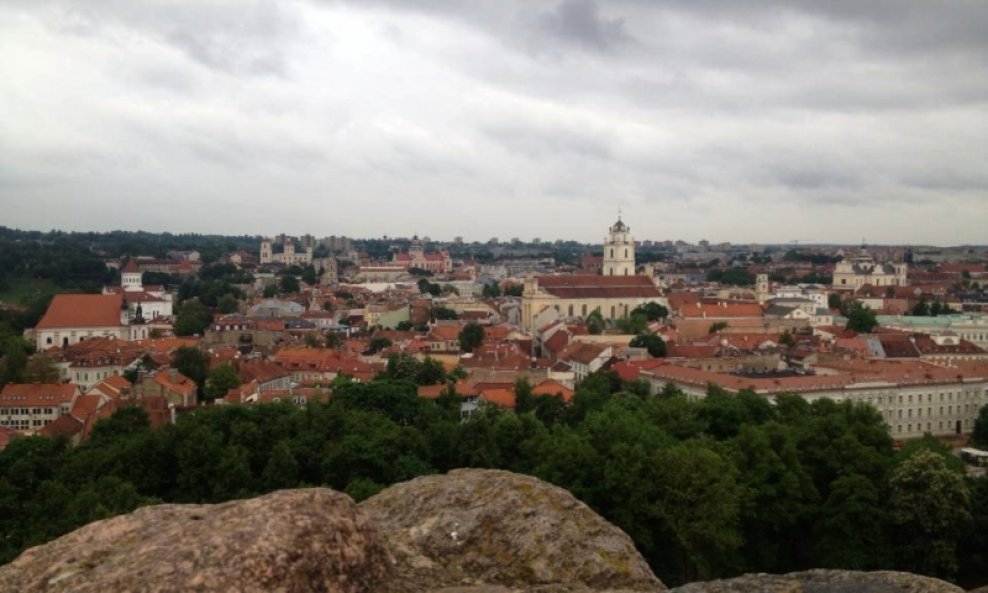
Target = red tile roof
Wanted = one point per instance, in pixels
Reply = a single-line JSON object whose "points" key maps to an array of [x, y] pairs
{"points": [[63, 425], [553, 387], [591, 287], [261, 371], [84, 406], [721, 310], [83, 310], [36, 394], [504, 398]]}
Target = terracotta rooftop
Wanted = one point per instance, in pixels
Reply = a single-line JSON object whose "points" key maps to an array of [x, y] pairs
{"points": [[592, 286], [36, 394], [83, 310], [553, 387], [721, 310]]}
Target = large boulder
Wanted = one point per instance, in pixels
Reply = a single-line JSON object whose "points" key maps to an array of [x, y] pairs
{"points": [[483, 530], [292, 541], [824, 581]]}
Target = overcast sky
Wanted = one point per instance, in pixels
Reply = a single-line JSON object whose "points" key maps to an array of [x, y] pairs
{"points": [[738, 121]]}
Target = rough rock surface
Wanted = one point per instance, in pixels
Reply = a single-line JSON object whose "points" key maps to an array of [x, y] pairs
{"points": [[483, 530], [824, 581], [291, 541]]}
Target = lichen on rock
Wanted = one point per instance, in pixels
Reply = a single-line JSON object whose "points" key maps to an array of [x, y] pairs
{"points": [[475, 527], [291, 541]]}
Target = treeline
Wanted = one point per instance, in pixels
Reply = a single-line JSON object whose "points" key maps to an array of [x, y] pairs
{"points": [[717, 487], [124, 243]]}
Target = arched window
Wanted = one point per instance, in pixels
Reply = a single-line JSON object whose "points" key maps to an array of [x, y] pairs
{"points": [[571, 310], [612, 311], [612, 252], [583, 310], [625, 252]]}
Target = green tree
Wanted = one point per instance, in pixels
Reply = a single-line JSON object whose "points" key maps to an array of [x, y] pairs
{"points": [[979, 436], [228, 303], [787, 339], [861, 318], [652, 311], [289, 284], [524, 399], [492, 290], [193, 363], [921, 309], [850, 533], [309, 275], [695, 506], [595, 322], [193, 318], [636, 324], [444, 314], [379, 343], [270, 291], [929, 509], [717, 326], [220, 379], [402, 366], [281, 470], [834, 301], [41, 369], [14, 359], [737, 276], [471, 336], [655, 345], [430, 372]]}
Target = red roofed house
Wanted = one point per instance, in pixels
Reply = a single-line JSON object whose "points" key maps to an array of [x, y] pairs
{"points": [[416, 257], [586, 358], [267, 375], [72, 318], [171, 385], [30, 407], [614, 296]]}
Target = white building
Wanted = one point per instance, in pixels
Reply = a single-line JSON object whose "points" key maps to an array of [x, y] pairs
{"points": [[73, 318], [288, 255], [150, 302], [855, 272], [619, 251]]}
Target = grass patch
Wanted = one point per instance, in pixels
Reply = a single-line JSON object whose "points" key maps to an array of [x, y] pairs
{"points": [[22, 291]]}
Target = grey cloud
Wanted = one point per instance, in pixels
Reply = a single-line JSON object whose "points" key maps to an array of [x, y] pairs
{"points": [[238, 36], [540, 141], [580, 22]]}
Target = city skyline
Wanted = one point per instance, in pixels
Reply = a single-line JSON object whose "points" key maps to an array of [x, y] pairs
{"points": [[704, 120]]}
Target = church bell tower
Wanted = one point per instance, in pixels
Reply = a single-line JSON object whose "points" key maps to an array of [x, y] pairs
{"points": [[619, 251]]}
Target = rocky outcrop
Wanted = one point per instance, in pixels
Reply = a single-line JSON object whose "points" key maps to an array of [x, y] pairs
{"points": [[486, 530], [824, 581], [292, 541], [470, 531]]}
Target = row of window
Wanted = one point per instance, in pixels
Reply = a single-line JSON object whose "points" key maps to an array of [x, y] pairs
{"points": [[902, 399], [956, 427], [26, 411], [968, 409], [24, 424]]}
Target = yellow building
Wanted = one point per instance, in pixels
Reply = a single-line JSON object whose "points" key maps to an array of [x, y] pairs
{"points": [[578, 296]]}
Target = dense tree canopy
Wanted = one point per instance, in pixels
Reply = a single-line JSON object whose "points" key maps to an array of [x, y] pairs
{"points": [[716, 487], [471, 336], [861, 318]]}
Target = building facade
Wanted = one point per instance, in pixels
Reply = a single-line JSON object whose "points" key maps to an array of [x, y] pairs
{"points": [[619, 251], [853, 273]]}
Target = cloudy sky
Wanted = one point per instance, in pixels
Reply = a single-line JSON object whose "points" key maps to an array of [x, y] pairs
{"points": [[766, 121]]}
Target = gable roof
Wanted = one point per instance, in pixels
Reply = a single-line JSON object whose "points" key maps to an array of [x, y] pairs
{"points": [[37, 394], [83, 310], [586, 286]]}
